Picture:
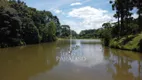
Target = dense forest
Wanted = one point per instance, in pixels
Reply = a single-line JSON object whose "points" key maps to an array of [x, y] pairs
{"points": [[126, 33], [89, 34], [21, 25]]}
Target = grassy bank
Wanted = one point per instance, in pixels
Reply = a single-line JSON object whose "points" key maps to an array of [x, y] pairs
{"points": [[131, 42]]}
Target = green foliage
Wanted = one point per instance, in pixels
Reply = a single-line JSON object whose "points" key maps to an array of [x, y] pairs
{"points": [[106, 35], [133, 42], [123, 10], [20, 24], [32, 31], [51, 31], [87, 34], [74, 34], [65, 31], [10, 26], [124, 32]]}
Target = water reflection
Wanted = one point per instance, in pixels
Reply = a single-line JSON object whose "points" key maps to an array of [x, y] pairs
{"points": [[23, 62], [124, 65], [51, 61], [85, 53]]}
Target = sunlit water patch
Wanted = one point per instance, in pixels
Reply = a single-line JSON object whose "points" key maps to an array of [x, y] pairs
{"points": [[83, 53]]}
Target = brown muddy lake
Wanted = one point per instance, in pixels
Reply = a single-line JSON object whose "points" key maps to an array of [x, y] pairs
{"points": [[69, 60]]}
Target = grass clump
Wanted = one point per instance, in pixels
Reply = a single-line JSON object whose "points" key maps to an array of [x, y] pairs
{"points": [[131, 42]]}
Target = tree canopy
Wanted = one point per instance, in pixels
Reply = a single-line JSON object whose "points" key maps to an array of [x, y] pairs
{"points": [[21, 25]]}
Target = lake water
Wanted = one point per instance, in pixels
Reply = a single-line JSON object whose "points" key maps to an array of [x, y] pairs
{"points": [[83, 60]]}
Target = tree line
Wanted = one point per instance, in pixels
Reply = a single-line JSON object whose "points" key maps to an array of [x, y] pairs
{"points": [[21, 25], [126, 31], [126, 24], [123, 9]]}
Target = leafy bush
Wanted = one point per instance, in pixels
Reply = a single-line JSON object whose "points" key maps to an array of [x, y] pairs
{"points": [[20, 25], [51, 31]]}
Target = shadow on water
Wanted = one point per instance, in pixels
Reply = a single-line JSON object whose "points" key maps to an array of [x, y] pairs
{"points": [[20, 63], [124, 65]]}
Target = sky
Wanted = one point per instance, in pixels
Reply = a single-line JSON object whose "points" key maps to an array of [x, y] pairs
{"points": [[78, 14]]}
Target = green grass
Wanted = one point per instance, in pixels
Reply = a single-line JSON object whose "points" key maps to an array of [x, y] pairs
{"points": [[127, 43], [133, 45]]}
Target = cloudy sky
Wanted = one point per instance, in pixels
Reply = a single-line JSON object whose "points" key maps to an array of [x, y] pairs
{"points": [[79, 14]]}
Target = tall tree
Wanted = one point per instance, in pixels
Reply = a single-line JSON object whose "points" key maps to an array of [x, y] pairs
{"points": [[123, 8], [138, 5], [116, 6], [51, 31]]}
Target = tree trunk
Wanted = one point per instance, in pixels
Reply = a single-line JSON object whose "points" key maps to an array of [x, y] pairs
{"points": [[140, 16], [119, 26], [122, 23]]}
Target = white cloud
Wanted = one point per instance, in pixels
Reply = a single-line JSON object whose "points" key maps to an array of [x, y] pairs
{"points": [[47, 4], [135, 15], [74, 25], [75, 4], [90, 17], [57, 11]]}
